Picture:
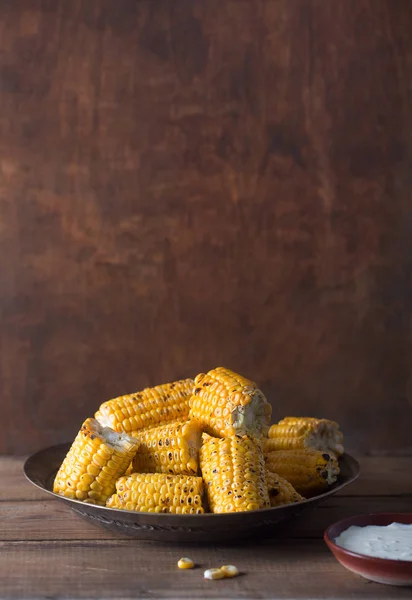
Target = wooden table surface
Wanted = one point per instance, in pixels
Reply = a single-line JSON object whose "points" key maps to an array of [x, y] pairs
{"points": [[48, 552]]}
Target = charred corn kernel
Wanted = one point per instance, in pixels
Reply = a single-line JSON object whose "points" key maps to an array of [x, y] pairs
{"points": [[171, 448], [281, 491], [233, 470], [214, 574], [227, 404], [148, 408], [293, 433], [185, 563], [229, 570], [309, 471], [158, 492], [96, 459]]}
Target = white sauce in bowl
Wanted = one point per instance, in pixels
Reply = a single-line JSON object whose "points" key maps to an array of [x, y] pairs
{"points": [[392, 541]]}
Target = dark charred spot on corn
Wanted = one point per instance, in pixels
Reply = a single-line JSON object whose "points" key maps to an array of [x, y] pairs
{"points": [[160, 443], [167, 442], [324, 474], [326, 456], [197, 390], [238, 497], [274, 492]]}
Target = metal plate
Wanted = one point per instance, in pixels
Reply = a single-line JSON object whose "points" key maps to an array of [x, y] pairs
{"points": [[40, 469]]}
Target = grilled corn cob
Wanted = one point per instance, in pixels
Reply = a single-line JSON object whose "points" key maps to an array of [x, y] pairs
{"points": [[280, 490], [309, 471], [170, 448], [97, 457], [148, 408], [228, 404], [293, 433], [158, 492], [233, 470]]}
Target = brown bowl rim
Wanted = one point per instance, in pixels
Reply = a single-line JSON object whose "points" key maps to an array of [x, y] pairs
{"points": [[348, 521]]}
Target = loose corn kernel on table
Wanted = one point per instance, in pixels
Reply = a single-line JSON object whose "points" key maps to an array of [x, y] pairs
{"points": [[48, 552]]}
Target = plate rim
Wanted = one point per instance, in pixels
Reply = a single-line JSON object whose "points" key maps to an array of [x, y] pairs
{"points": [[355, 466]]}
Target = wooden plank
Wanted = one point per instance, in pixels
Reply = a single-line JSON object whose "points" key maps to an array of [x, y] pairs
{"points": [[129, 569], [379, 476], [14, 484], [51, 520]]}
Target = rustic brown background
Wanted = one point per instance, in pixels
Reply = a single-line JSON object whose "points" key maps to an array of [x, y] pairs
{"points": [[187, 183]]}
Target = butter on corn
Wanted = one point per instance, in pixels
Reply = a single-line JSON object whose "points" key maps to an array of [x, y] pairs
{"points": [[228, 404], [172, 448], [298, 433], [159, 493], [96, 459], [309, 471], [233, 470], [149, 408]]}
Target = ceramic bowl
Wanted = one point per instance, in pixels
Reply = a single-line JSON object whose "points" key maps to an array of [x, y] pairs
{"points": [[381, 570]]}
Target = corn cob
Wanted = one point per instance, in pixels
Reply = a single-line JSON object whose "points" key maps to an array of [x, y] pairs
{"points": [[158, 492], [309, 471], [228, 404], [171, 448], [96, 459], [294, 433], [280, 490], [148, 408], [233, 470]]}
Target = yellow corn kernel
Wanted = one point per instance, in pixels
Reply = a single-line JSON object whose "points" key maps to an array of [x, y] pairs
{"points": [[83, 473], [309, 471], [228, 404], [213, 574], [185, 563], [158, 492], [149, 408], [172, 448], [281, 491], [294, 433], [229, 570], [233, 470]]}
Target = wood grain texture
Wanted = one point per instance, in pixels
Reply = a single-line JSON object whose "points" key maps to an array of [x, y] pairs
{"points": [[185, 184], [287, 569], [48, 552]]}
